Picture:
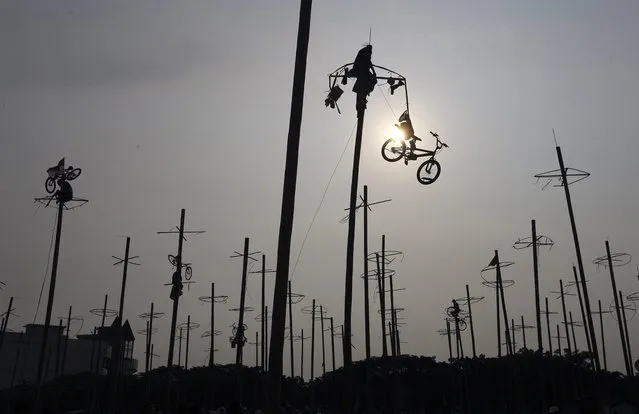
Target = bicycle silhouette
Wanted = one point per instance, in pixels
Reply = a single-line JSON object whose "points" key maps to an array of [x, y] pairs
{"points": [[68, 174], [395, 149]]}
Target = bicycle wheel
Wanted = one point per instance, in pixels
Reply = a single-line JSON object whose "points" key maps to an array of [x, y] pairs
{"points": [[49, 185], [73, 174], [393, 150], [428, 172]]}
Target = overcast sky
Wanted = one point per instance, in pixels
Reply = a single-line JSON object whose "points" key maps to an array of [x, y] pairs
{"points": [[168, 105]]}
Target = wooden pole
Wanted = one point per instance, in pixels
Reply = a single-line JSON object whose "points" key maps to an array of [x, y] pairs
{"points": [[523, 331], [450, 345], [290, 328], [313, 341], [583, 312], [176, 300], [332, 344], [263, 321], [540, 346], [618, 311], [548, 325], [572, 329], [580, 262], [503, 303], [212, 350], [240, 326], [47, 318], [603, 338], [563, 309], [380, 287], [470, 317], [625, 325], [288, 207], [188, 331], [66, 343], [367, 322], [323, 342]]}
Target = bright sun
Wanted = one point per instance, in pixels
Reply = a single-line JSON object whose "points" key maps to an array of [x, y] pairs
{"points": [[397, 134]]}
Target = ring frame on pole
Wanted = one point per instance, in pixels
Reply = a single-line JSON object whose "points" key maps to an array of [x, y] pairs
{"points": [[144, 332], [296, 297], [147, 315], [389, 256], [525, 242], [629, 307], [617, 259], [573, 283], [633, 297], [217, 299], [506, 283], [50, 201], [107, 313], [190, 326], [246, 309], [207, 334], [260, 316], [473, 299], [372, 274], [308, 310]]}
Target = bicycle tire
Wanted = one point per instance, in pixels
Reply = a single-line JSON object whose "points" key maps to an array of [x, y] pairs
{"points": [[390, 154], [49, 185], [73, 174], [427, 167]]}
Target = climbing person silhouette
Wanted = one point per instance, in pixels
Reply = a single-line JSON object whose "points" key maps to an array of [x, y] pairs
{"points": [[408, 132], [65, 193], [456, 310], [364, 71]]}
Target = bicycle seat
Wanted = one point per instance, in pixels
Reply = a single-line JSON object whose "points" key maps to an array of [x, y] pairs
{"points": [[415, 138]]}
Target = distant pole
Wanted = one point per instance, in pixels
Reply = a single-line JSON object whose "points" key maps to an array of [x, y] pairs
{"points": [[101, 336], [383, 275], [116, 353], [625, 325], [572, 329], [147, 347], [460, 345], [323, 342], [342, 329], [603, 338], [176, 299], [559, 340], [180, 348], [367, 326], [313, 340], [290, 328], [240, 326], [263, 321], [288, 207], [398, 342], [498, 321], [302, 355], [392, 338], [380, 287], [470, 318], [6, 321], [503, 303], [392, 303], [580, 262], [513, 339], [563, 309], [57, 349], [583, 312], [91, 364], [523, 331], [548, 325], [450, 345], [66, 343], [332, 344], [266, 325], [151, 361], [149, 339], [618, 311], [536, 279], [257, 345], [188, 330], [212, 350], [47, 318]]}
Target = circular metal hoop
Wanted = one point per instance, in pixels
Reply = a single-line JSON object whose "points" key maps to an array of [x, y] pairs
{"points": [[207, 334], [246, 309], [473, 299], [145, 332], [543, 312], [217, 299], [573, 283], [389, 256], [50, 201], [450, 311], [296, 298], [502, 265], [107, 313], [372, 274], [308, 310], [186, 325], [147, 315], [633, 297], [261, 316], [390, 311], [629, 307], [506, 283], [617, 259], [528, 241]]}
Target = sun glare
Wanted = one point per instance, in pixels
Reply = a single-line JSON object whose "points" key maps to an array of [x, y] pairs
{"points": [[397, 134]]}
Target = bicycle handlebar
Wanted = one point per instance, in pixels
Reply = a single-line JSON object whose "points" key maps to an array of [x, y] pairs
{"points": [[436, 135]]}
